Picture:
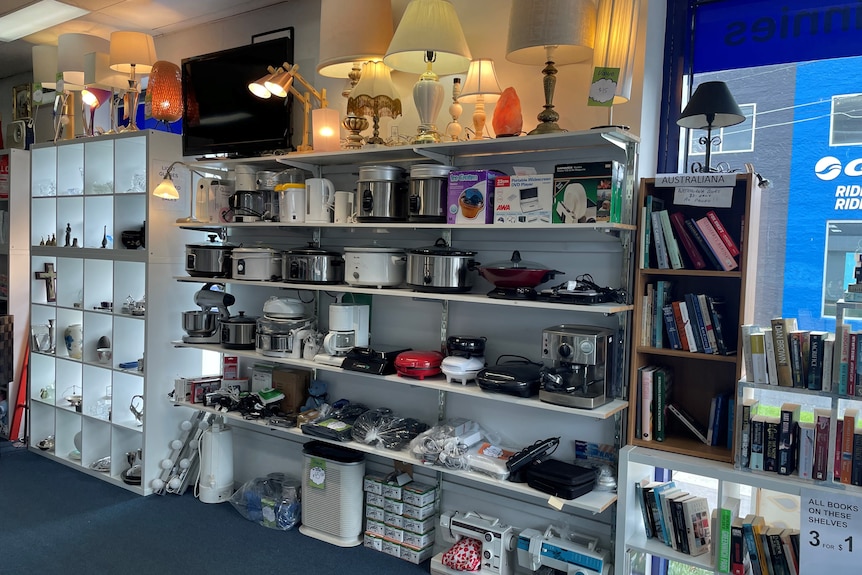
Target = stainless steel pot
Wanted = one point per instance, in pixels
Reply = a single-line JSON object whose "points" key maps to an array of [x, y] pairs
{"points": [[381, 194], [199, 323], [209, 259], [237, 332], [440, 268], [429, 187], [312, 265], [374, 266], [262, 264]]}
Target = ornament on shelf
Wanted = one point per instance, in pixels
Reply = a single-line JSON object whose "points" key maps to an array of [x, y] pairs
{"points": [[68, 235], [507, 119], [453, 128], [50, 278]]}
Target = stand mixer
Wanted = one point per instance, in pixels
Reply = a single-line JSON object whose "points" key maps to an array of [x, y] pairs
{"points": [[202, 326]]}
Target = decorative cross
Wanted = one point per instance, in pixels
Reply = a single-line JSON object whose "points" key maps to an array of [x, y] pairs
{"points": [[50, 277]]}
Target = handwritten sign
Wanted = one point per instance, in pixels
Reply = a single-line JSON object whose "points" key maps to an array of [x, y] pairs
{"points": [[703, 197], [830, 532]]}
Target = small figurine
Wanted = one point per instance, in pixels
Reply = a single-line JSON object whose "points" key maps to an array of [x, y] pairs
{"points": [[53, 240], [105, 236], [74, 242], [68, 235], [42, 241]]}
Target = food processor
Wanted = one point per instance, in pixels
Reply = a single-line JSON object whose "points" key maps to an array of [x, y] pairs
{"points": [[202, 326]]}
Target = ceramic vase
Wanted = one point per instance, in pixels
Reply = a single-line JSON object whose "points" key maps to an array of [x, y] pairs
{"points": [[74, 338]]}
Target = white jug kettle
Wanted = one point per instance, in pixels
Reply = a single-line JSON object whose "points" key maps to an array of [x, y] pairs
{"points": [[320, 196]]}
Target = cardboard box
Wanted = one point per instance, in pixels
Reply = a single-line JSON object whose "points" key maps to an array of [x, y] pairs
{"points": [[419, 494], [374, 499], [374, 513], [261, 376], [393, 533], [524, 199], [195, 389], [293, 383], [414, 555], [424, 512], [372, 541], [393, 519], [593, 190], [470, 199], [392, 491], [375, 527], [393, 506], [420, 526], [230, 366], [392, 548], [373, 484], [418, 541]]}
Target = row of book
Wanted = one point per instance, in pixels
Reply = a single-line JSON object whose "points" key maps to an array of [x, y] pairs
{"points": [[656, 411], [790, 444], [674, 516], [670, 240], [691, 323], [760, 549]]}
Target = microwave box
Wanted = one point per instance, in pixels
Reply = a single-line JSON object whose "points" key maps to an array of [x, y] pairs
{"points": [[525, 199], [293, 383], [470, 199], [588, 192]]}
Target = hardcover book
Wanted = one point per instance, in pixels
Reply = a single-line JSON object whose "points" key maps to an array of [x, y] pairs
{"points": [[697, 528], [722, 233], [662, 257], [677, 219], [701, 244], [673, 252], [689, 422], [716, 246], [781, 327]]}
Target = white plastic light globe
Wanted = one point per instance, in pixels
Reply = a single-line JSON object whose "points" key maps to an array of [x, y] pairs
{"points": [[157, 484], [176, 444], [186, 425], [166, 464], [184, 463], [174, 483]]}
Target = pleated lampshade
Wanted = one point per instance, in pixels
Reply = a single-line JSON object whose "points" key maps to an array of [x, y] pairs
{"points": [[166, 91]]}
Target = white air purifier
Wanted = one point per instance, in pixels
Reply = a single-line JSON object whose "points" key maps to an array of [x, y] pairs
{"points": [[332, 494], [215, 483]]}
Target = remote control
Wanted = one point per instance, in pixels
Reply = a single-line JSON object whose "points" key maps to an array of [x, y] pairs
{"points": [[531, 453]]}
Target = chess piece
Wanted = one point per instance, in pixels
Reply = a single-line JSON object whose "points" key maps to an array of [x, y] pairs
{"points": [[53, 240], [74, 242], [105, 236], [68, 234]]}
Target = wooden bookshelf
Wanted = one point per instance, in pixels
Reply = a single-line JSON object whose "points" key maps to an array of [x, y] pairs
{"points": [[697, 377]]}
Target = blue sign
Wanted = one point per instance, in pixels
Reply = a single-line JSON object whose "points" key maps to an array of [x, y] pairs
{"points": [[746, 33]]}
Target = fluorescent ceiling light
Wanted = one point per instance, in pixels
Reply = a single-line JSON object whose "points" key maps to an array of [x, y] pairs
{"points": [[36, 17]]}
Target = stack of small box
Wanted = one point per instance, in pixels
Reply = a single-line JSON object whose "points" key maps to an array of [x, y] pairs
{"points": [[400, 520]]}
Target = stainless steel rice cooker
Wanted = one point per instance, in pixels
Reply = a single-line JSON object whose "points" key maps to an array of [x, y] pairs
{"points": [[237, 331], [259, 263], [209, 259], [441, 268], [381, 194], [374, 266], [429, 186], [312, 264]]}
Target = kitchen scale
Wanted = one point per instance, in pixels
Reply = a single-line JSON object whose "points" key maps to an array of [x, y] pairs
{"points": [[375, 361]]}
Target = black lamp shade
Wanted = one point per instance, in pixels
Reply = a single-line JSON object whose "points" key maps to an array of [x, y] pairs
{"points": [[711, 106]]}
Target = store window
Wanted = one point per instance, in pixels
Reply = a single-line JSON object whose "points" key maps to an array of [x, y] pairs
{"points": [[733, 139], [846, 120]]}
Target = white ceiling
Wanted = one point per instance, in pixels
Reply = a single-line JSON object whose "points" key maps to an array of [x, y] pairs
{"points": [[155, 17]]}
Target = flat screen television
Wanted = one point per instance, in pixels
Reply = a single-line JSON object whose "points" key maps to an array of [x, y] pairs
{"points": [[221, 116]]}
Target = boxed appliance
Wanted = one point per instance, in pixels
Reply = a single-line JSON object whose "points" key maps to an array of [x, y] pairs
{"points": [[195, 389], [588, 192], [525, 199], [293, 383], [230, 366], [470, 198]]}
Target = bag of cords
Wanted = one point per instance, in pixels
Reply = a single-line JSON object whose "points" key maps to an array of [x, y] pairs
{"points": [[381, 426], [272, 501]]}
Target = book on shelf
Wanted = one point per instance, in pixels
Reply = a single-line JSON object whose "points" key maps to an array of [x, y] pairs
{"points": [[713, 263], [647, 315], [805, 442], [728, 511], [681, 327], [847, 432], [740, 563], [715, 245], [776, 551], [767, 555], [651, 203], [722, 233], [852, 363], [667, 518], [798, 344], [770, 443], [689, 422], [787, 437], [837, 450], [856, 460], [698, 324], [828, 362], [659, 492], [673, 252], [697, 526], [769, 350], [717, 429], [724, 340], [749, 408], [677, 220], [842, 353], [856, 389], [816, 359], [781, 327], [731, 422], [758, 358], [791, 557], [662, 298], [662, 378], [662, 256], [747, 365], [822, 423], [752, 542], [680, 542], [758, 441], [673, 336], [647, 402], [688, 327], [641, 488], [707, 321]]}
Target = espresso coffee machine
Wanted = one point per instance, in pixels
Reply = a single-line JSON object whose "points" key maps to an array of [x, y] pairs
{"points": [[578, 365]]}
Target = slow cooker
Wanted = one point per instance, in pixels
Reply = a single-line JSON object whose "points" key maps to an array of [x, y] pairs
{"points": [[209, 259], [262, 264], [237, 332], [440, 268], [312, 265], [429, 187], [374, 266], [381, 194]]}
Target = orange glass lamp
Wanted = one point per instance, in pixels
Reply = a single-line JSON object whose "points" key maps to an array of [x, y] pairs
{"points": [[480, 86], [165, 92], [132, 53]]}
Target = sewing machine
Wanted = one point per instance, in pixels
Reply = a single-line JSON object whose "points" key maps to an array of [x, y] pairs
{"points": [[580, 556], [498, 542]]}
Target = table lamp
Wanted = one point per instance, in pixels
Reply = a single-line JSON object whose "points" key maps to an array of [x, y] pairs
{"points": [[480, 86], [93, 98], [615, 45], [429, 34], [550, 32], [165, 92], [375, 96], [711, 106], [98, 74], [132, 53]]}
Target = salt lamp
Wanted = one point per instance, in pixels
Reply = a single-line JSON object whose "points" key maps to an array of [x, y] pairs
{"points": [[507, 119]]}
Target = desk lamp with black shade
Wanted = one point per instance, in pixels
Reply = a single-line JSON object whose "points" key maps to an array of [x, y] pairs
{"points": [[711, 106]]}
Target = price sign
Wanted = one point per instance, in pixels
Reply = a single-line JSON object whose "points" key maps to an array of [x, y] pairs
{"points": [[830, 532]]}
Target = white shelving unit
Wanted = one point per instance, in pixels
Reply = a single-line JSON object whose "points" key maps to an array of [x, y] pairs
{"points": [[100, 187], [422, 320]]}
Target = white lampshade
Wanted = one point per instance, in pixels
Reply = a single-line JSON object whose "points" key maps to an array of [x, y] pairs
{"points": [[166, 190], [98, 73], [71, 50], [344, 41], [45, 66], [429, 25], [568, 25], [481, 81], [616, 42], [131, 51]]}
